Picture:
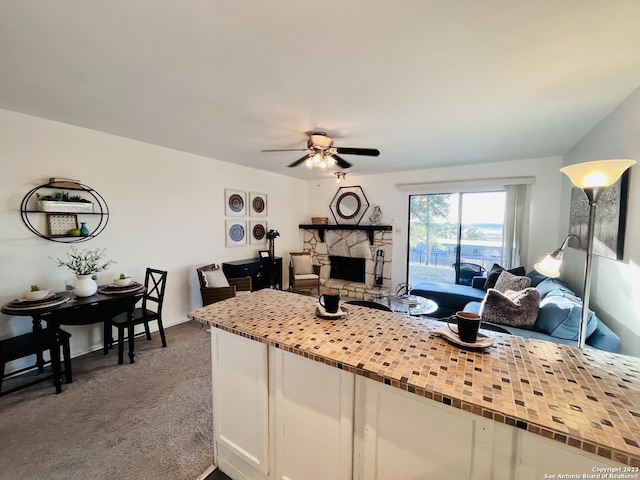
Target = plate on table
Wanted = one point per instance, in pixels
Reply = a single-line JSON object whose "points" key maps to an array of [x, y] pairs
{"points": [[114, 289], [322, 313], [52, 301], [26, 301], [482, 341]]}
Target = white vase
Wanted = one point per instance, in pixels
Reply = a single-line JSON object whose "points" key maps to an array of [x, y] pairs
{"points": [[85, 286]]}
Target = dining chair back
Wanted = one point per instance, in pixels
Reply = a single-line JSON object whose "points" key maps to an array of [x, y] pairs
{"points": [[151, 309]]}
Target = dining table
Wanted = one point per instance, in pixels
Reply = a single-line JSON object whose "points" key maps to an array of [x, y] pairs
{"points": [[64, 308]]}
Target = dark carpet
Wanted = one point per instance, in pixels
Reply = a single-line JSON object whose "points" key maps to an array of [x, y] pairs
{"points": [[149, 420]]}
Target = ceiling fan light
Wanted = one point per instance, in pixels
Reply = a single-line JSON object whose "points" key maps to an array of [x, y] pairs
{"points": [[309, 163], [317, 158], [323, 164], [330, 160]]}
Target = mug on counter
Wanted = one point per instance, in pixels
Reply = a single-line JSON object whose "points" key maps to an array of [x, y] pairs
{"points": [[468, 325], [330, 301]]}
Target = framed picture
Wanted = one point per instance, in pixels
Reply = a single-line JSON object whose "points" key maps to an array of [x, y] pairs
{"points": [[263, 253], [235, 202], [236, 233], [59, 225], [610, 222], [257, 232], [257, 204]]}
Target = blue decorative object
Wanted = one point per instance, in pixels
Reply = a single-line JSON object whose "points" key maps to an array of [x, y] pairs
{"points": [[84, 231]]}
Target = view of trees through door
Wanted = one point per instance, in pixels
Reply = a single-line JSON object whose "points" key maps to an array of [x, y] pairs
{"points": [[454, 228]]}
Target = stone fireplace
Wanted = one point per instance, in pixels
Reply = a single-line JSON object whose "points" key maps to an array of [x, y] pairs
{"points": [[357, 249], [347, 268]]}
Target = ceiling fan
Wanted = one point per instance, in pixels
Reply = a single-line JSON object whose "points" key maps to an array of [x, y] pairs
{"points": [[322, 154]]}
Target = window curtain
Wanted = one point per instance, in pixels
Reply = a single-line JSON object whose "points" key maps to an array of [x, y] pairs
{"points": [[513, 221]]}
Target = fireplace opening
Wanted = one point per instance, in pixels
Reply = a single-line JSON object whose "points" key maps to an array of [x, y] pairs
{"points": [[347, 268]]}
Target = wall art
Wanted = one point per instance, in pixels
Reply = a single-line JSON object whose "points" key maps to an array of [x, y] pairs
{"points": [[257, 204], [235, 203], [610, 222], [258, 232], [236, 233], [59, 225]]}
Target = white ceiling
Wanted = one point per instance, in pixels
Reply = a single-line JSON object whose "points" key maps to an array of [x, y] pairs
{"points": [[428, 82]]}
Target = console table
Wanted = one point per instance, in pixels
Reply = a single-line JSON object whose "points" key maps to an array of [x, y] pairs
{"points": [[264, 272]]}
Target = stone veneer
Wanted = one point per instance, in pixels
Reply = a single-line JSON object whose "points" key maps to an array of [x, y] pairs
{"points": [[353, 244]]}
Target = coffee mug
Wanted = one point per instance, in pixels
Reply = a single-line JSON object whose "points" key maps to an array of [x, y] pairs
{"points": [[468, 325], [330, 301]]}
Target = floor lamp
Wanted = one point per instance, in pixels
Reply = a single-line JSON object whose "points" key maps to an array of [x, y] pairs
{"points": [[593, 178]]}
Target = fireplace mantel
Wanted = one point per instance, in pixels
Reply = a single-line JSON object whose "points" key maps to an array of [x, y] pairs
{"points": [[370, 229]]}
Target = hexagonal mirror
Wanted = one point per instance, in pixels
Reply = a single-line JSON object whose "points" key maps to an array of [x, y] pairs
{"points": [[349, 205]]}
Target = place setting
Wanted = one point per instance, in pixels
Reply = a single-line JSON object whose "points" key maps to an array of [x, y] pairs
{"points": [[465, 333], [37, 298], [121, 284]]}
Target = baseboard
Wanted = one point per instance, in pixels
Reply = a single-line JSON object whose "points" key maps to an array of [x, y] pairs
{"points": [[207, 472]]}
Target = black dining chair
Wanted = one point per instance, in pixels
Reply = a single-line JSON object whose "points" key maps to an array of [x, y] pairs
{"points": [[154, 282], [369, 304]]}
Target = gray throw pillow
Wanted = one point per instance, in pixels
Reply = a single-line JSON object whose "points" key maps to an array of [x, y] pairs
{"points": [[516, 309], [508, 281], [494, 273]]}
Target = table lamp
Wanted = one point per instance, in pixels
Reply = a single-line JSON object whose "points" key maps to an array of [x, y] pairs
{"points": [[593, 178]]}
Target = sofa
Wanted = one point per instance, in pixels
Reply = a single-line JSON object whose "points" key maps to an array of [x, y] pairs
{"points": [[558, 318]]}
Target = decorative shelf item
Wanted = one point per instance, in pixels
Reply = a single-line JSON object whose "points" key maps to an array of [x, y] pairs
{"points": [[51, 211], [370, 229]]}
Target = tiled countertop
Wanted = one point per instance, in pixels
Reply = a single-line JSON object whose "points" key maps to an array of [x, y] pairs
{"points": [[584, 398]]}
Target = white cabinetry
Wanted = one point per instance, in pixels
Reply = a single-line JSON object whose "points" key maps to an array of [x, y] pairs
{"points": [[403, 436], [280, 416], [539, 457], [240, 405], [313, 419]]}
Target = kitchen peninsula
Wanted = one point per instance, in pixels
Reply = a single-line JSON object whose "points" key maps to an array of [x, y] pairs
{"points": [[377, 396]]}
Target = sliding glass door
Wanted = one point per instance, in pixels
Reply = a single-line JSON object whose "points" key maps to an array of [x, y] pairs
{"points": [[454, 236]]}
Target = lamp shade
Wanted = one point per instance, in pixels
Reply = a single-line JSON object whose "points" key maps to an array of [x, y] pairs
{"points": [[549, 267], [600, 173]]}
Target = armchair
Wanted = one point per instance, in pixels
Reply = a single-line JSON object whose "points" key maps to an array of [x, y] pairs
{"points": [[215, 286], [303, 275]]}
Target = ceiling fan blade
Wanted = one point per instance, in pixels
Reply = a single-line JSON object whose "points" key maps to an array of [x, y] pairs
{"points": [[299, 161], [341, 162], [288, 150], [372, 152]]}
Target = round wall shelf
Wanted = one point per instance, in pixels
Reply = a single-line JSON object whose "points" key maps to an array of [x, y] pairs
{"points": [[64, 221]]}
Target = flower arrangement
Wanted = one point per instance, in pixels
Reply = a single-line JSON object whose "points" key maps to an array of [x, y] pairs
{"points": [[85, 262], [271, 234]]}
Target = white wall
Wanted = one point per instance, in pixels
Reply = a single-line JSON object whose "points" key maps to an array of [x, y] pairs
{"points": [[166, 211], [615, 293], [540, 228]]}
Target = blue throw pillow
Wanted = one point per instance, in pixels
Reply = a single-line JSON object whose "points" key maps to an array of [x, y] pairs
{"points": [[560, 315], [536, 278], [553, 285]]}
